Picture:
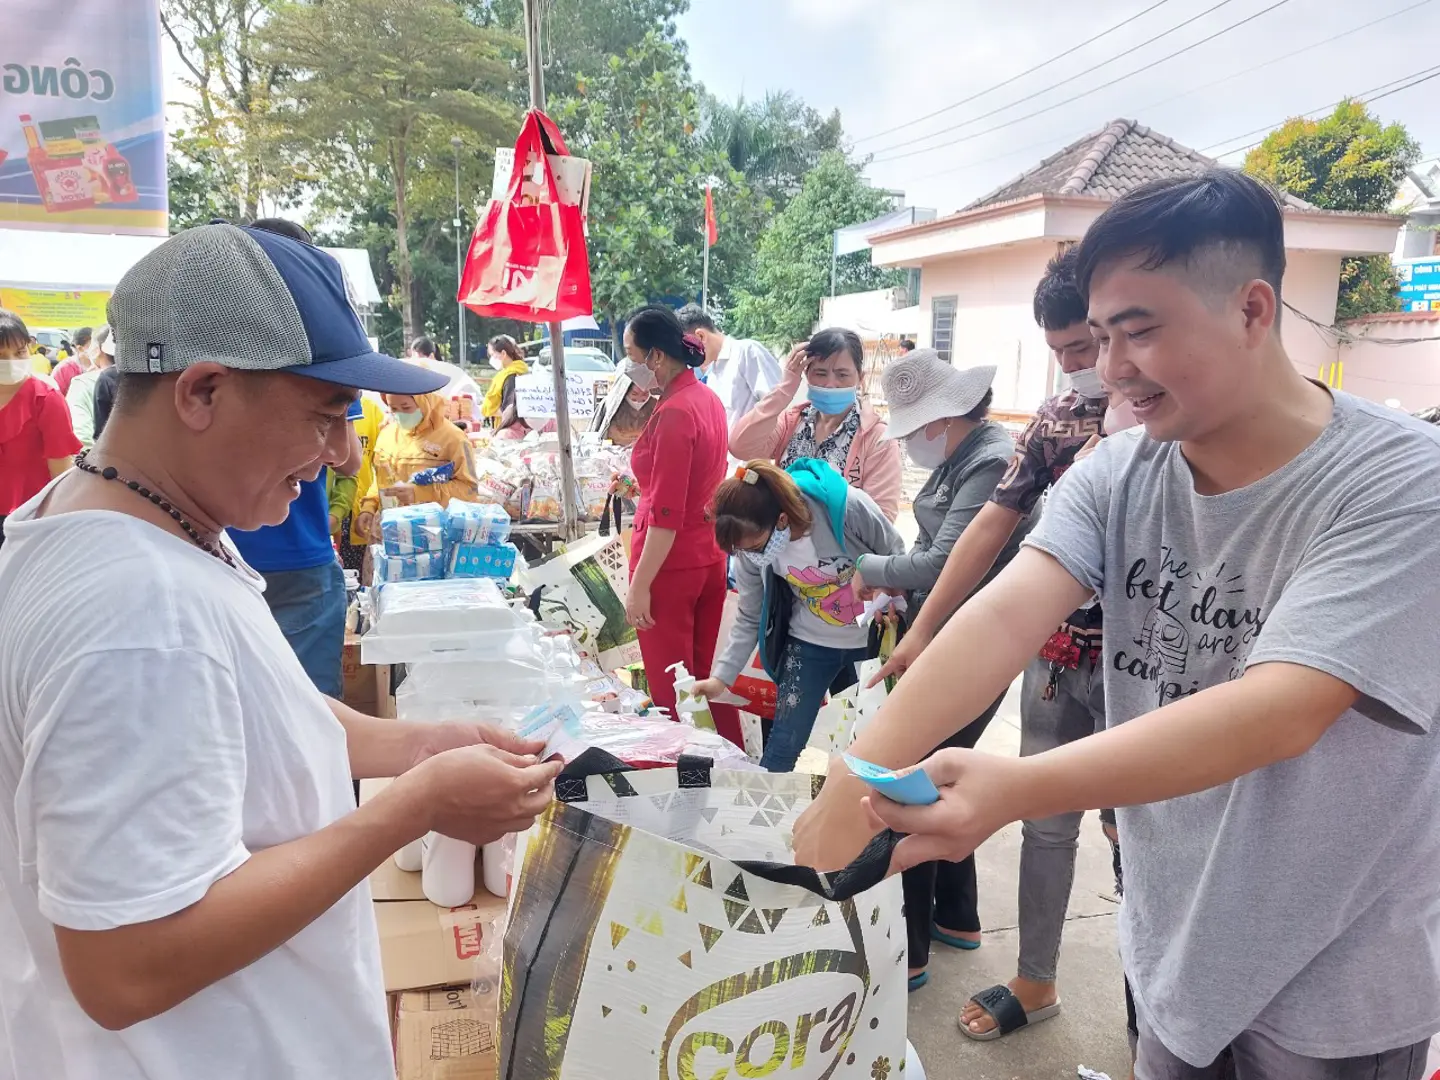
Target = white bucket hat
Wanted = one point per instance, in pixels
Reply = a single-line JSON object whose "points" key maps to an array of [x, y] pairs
{"points": [[921, 388]]}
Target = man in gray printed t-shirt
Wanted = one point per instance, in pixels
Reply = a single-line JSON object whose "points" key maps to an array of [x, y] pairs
{"points": [[1268, 555]]}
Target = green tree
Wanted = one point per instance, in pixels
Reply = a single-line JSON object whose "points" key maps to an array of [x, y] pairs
{"points": [[1348, 160], [194, 182], [774, 142], [231, 90], [377, 88], [792, 266], [636, 119], [579, 36]]}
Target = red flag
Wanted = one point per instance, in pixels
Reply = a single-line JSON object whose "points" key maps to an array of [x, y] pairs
{"points": [[712, 228]]}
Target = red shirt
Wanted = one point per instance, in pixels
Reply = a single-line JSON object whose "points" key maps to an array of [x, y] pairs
{"points": [[34, 428], [679, 461], [65, 374]]}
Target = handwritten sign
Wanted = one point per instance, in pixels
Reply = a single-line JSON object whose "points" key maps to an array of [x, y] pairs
{"points": [[535, 395]]}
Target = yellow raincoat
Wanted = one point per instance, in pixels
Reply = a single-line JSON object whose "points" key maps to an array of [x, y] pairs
{"points": [[400, 454]]}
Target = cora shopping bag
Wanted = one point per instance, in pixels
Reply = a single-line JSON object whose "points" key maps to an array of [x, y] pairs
{"points": [[754, 685], [527, 258], [659, 928]]}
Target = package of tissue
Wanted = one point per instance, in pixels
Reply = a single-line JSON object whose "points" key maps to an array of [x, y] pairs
{"points": [[421, 566], [483, 560], [410, 530], [476, 523]]}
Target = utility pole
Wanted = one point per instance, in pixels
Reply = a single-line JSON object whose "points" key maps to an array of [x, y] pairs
{"points": [[461, 357], [570, 518]]}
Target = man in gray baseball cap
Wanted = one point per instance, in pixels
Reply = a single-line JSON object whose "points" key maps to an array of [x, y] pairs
{"points": [[182, 866]]}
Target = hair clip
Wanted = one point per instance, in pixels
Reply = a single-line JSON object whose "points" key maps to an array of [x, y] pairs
{"points": [[750, 476]]}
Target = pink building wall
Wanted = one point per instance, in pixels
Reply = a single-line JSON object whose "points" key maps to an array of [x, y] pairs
{"points": [[995, 323], [1408, 373]]}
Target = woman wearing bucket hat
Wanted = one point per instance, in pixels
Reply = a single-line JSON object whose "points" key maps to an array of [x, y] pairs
{"points": [[834, 423], [939, 412]]}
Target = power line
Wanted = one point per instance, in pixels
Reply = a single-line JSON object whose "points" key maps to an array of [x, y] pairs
{"points": [[1053, 86], [1290, 55], [1206, 86], [1014, 78], [1365, 96], [1087, 93]]}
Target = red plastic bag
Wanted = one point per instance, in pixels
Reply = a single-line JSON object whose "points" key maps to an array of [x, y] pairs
{"points": [[528, 260]]}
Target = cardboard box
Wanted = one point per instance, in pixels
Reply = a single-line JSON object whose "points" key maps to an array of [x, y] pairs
{"points": [[422, 945], [358, 685], [448, 1034]]}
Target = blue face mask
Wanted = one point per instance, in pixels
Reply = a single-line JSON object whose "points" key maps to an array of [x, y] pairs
{"points": [[833, 400], [779, 540]]}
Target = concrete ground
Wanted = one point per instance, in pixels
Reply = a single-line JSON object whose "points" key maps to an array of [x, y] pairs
{"points": [[1090, 1028]]}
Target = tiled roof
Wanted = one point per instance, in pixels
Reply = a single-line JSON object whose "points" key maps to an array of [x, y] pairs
{"points": [[1106, 164]]}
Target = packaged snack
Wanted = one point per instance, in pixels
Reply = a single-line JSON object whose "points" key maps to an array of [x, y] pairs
{"points": [[410, 530], [476, 523], [483, 560], [418, 566]]}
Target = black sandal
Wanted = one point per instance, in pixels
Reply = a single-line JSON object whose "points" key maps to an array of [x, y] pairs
{"points": [[1002, 1006]]}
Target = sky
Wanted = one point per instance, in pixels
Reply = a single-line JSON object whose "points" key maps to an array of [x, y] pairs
{"points": [[884, 63]]}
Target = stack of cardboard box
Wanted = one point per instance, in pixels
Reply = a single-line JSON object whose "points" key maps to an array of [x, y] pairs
{"points": [[441, 974]]}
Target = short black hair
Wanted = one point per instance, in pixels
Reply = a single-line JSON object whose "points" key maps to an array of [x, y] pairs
{"points": [[423, 346], [1221, 212], [982, 410], [836, 340], [906, 345], [694, 317], [655, 326], [133, 389], [284, 227], [13, 332], [1058, 303], [82, 337]]}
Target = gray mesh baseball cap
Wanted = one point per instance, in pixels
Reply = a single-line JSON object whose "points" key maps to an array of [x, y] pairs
{"points": [[254, 301]]}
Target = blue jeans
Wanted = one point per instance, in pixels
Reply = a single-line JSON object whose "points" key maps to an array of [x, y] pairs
{"points": [[309, 605], [806, 674]]}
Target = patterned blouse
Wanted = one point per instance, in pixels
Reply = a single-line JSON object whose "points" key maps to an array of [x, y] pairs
{"points": [[835, 449]]}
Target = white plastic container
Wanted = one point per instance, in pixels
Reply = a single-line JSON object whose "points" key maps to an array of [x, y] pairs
{"points": [[689, 708], [447, 873], [412, 856], [497, 862]]}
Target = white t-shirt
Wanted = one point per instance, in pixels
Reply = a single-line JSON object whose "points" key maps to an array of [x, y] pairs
{"points": [[156, 729], [825, 607]]}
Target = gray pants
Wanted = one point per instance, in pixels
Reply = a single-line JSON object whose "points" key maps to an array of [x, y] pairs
{"points": [[1047, 850], [1256, 1057]]}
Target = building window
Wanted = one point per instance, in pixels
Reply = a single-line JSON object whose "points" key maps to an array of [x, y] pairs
{"points": [[942, 324]]}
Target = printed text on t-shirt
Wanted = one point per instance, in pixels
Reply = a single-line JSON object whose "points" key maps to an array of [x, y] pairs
{"points": [[1191, 629]]}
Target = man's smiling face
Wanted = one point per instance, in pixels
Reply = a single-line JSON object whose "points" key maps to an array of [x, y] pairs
{"points": [[1179, 342]]}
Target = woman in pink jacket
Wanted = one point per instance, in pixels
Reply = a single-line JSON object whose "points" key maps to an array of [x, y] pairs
{"points": [[834, 423]]}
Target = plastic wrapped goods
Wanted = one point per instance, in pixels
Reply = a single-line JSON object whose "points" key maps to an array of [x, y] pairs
{"points": [[483, 560], [476, 523], [422, 566], [459, 618], [411, 530]]}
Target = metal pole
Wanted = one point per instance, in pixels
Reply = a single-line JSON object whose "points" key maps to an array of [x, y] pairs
{"points": [[461, 358], [570, 518], [834, 258], [705, 278]]}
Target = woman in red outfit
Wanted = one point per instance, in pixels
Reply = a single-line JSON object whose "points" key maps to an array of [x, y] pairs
{"points": [[36, 438], [677, 572]]}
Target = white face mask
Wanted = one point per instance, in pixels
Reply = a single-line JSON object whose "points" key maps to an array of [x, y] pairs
{"points": [[926, 452], [1086, 382], [497, 361], [640, 375], [13, 372]]}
